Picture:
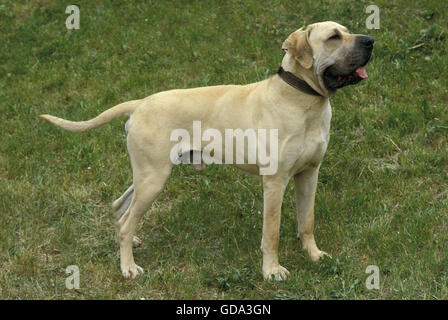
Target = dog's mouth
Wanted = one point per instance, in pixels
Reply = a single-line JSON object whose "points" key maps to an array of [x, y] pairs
{"points": [[336, 80]]}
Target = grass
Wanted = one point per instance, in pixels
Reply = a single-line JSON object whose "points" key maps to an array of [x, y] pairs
{"points": [[382, 196]]}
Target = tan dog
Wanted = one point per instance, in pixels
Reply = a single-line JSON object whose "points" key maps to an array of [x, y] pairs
{"points": [[325, 55]]}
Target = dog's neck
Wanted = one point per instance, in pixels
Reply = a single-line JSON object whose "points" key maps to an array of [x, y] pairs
{"points": [[290, 64]]}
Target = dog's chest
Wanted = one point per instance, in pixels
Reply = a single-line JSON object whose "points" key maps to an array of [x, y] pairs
{"points": [[310, 153], [308, 148]]}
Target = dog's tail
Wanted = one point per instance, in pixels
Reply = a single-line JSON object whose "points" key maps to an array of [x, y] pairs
{"points": [[105, 117]]}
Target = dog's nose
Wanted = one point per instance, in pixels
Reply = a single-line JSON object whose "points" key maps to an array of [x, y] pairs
{"points": [[367, 41]]}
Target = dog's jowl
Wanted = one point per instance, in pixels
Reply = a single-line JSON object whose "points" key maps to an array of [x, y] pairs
{"points": [[318, 60]]}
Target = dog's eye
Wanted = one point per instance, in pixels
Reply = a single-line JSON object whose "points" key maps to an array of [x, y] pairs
{"points": [[335, 37]]}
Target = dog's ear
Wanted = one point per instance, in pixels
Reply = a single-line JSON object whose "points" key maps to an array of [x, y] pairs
{"points": [[297, 45]]}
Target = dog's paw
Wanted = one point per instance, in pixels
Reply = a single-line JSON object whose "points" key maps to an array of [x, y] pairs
{"points": [[317, 255], [277, 273], [131, 271]]}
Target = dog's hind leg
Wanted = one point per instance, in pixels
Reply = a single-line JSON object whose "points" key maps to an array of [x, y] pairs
{"points": [[119, 208], [151, 168], [147, 185]]}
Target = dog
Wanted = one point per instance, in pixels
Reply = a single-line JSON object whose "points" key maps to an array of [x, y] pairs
{"points": [[318, 60]]}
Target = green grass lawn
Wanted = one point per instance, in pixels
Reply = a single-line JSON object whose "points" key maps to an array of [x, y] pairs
{"points": [[382, 197]]}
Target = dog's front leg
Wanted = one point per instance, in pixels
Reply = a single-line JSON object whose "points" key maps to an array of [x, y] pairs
{"points": [[305, 184], [273, 190]]}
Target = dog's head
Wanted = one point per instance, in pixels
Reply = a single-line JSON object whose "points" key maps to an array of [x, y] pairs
{"points": [[328, 55]]}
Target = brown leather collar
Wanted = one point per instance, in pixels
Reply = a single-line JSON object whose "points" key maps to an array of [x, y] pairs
{"points": [[296, 82]]}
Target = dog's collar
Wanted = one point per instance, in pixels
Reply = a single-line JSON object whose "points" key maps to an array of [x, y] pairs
{"points": [[296, 82]]}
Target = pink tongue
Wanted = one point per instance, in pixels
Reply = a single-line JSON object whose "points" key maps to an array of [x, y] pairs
{"points": [[361, 72]]}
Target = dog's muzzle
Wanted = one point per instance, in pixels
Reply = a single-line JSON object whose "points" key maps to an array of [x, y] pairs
{"points": [[338, 75]]}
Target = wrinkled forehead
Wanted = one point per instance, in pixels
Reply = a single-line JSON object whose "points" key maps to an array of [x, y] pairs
{"points": [[325, 29]]}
